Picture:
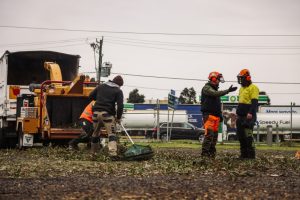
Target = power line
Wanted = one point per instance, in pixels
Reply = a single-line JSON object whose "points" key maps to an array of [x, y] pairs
{"points": [[143, 46], [155, 42], [203, 80], [151, 33], [195, 79], [51, 47], [200, 51], [149, 88], [131, 42], [43, 42]]}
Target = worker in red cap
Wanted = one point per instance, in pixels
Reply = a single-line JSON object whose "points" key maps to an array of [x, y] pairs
{"points": [[246, 114], [211, 111], [105, 114]]}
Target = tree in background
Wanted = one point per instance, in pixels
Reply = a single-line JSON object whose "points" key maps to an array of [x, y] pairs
{"points": [[187, 96], [135, 97]]}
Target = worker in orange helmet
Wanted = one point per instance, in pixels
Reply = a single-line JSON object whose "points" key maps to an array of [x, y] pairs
{"points": [[86, 123], [211, 111], [246, 114]]}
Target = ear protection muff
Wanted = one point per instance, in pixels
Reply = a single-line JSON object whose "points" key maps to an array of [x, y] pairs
{"points": [[213, 79], [248, 78]]}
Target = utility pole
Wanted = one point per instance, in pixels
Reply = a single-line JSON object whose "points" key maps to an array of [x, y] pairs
{"points": [[100, 58], [98, 47]]}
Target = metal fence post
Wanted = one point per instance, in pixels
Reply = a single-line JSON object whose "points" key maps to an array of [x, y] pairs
{"points": [[277, 133], [158, 125], [269, 135], [257, 136]]}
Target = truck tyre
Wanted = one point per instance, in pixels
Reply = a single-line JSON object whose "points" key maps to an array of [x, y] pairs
{"points": [[20, 138], [46, 143], [2, 139]]}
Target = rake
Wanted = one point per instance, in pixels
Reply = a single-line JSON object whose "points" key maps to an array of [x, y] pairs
{"points": [[136, 151]]}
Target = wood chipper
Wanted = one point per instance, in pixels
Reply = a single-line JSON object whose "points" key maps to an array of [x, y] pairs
{"points": [[51, 112]]}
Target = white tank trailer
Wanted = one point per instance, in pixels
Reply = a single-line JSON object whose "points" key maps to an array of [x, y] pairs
{"points": [[281, 124], [138, 122], [283, 121]]}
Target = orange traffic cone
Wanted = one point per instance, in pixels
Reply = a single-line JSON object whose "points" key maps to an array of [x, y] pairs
{"points": [[297, 155]]}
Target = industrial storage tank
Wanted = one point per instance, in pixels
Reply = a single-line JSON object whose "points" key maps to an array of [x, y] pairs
{"points": [[147, 119], [283, 121]]}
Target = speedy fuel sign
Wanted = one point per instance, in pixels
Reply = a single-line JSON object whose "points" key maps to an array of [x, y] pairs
{"points": [[283, 121]]}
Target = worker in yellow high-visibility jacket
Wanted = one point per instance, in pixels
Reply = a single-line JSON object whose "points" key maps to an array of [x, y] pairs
{"points": [[246, 114]]}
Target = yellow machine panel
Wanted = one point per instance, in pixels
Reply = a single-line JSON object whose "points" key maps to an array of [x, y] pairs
{"points": [[30, 125]]}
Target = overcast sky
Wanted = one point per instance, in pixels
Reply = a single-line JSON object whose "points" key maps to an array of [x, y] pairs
{"points": [[167, 38]]}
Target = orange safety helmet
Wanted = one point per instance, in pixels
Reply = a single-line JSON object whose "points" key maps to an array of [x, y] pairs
{"points": [[244, 74], [214, 76]]}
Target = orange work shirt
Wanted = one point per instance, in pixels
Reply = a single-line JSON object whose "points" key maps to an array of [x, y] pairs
{"points": [[88, 113]]}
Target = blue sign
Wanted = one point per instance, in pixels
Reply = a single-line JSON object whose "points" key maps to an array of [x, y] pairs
{"points": [[172, 92], [172, 101]]}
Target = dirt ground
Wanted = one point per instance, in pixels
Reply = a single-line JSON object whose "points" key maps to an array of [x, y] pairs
{"points": [[55, 173]]}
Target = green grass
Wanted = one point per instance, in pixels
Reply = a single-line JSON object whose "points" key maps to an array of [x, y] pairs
{"points": [[232, 145]]}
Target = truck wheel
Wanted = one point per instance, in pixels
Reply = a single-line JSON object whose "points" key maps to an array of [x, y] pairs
{"points": [[20, 139], [2, 138], [46, 143]]}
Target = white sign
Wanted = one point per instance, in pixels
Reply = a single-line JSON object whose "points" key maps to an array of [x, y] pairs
{"points": [[27, 140], [279, 109]]}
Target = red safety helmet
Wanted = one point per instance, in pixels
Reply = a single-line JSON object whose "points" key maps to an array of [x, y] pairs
{"points": [[214, 76], [244, 75]]}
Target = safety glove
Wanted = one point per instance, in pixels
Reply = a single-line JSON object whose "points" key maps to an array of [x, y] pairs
{"points": [[232, 89]]}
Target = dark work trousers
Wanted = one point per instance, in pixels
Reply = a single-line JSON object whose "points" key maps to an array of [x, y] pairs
{"points": [[209, 144], [87, 126], [245, 135]]}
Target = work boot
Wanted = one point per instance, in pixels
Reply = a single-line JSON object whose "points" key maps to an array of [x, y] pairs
{"points": [[102, 142], [112, 148], [73, 145], [88, 145], [94, 148]]}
